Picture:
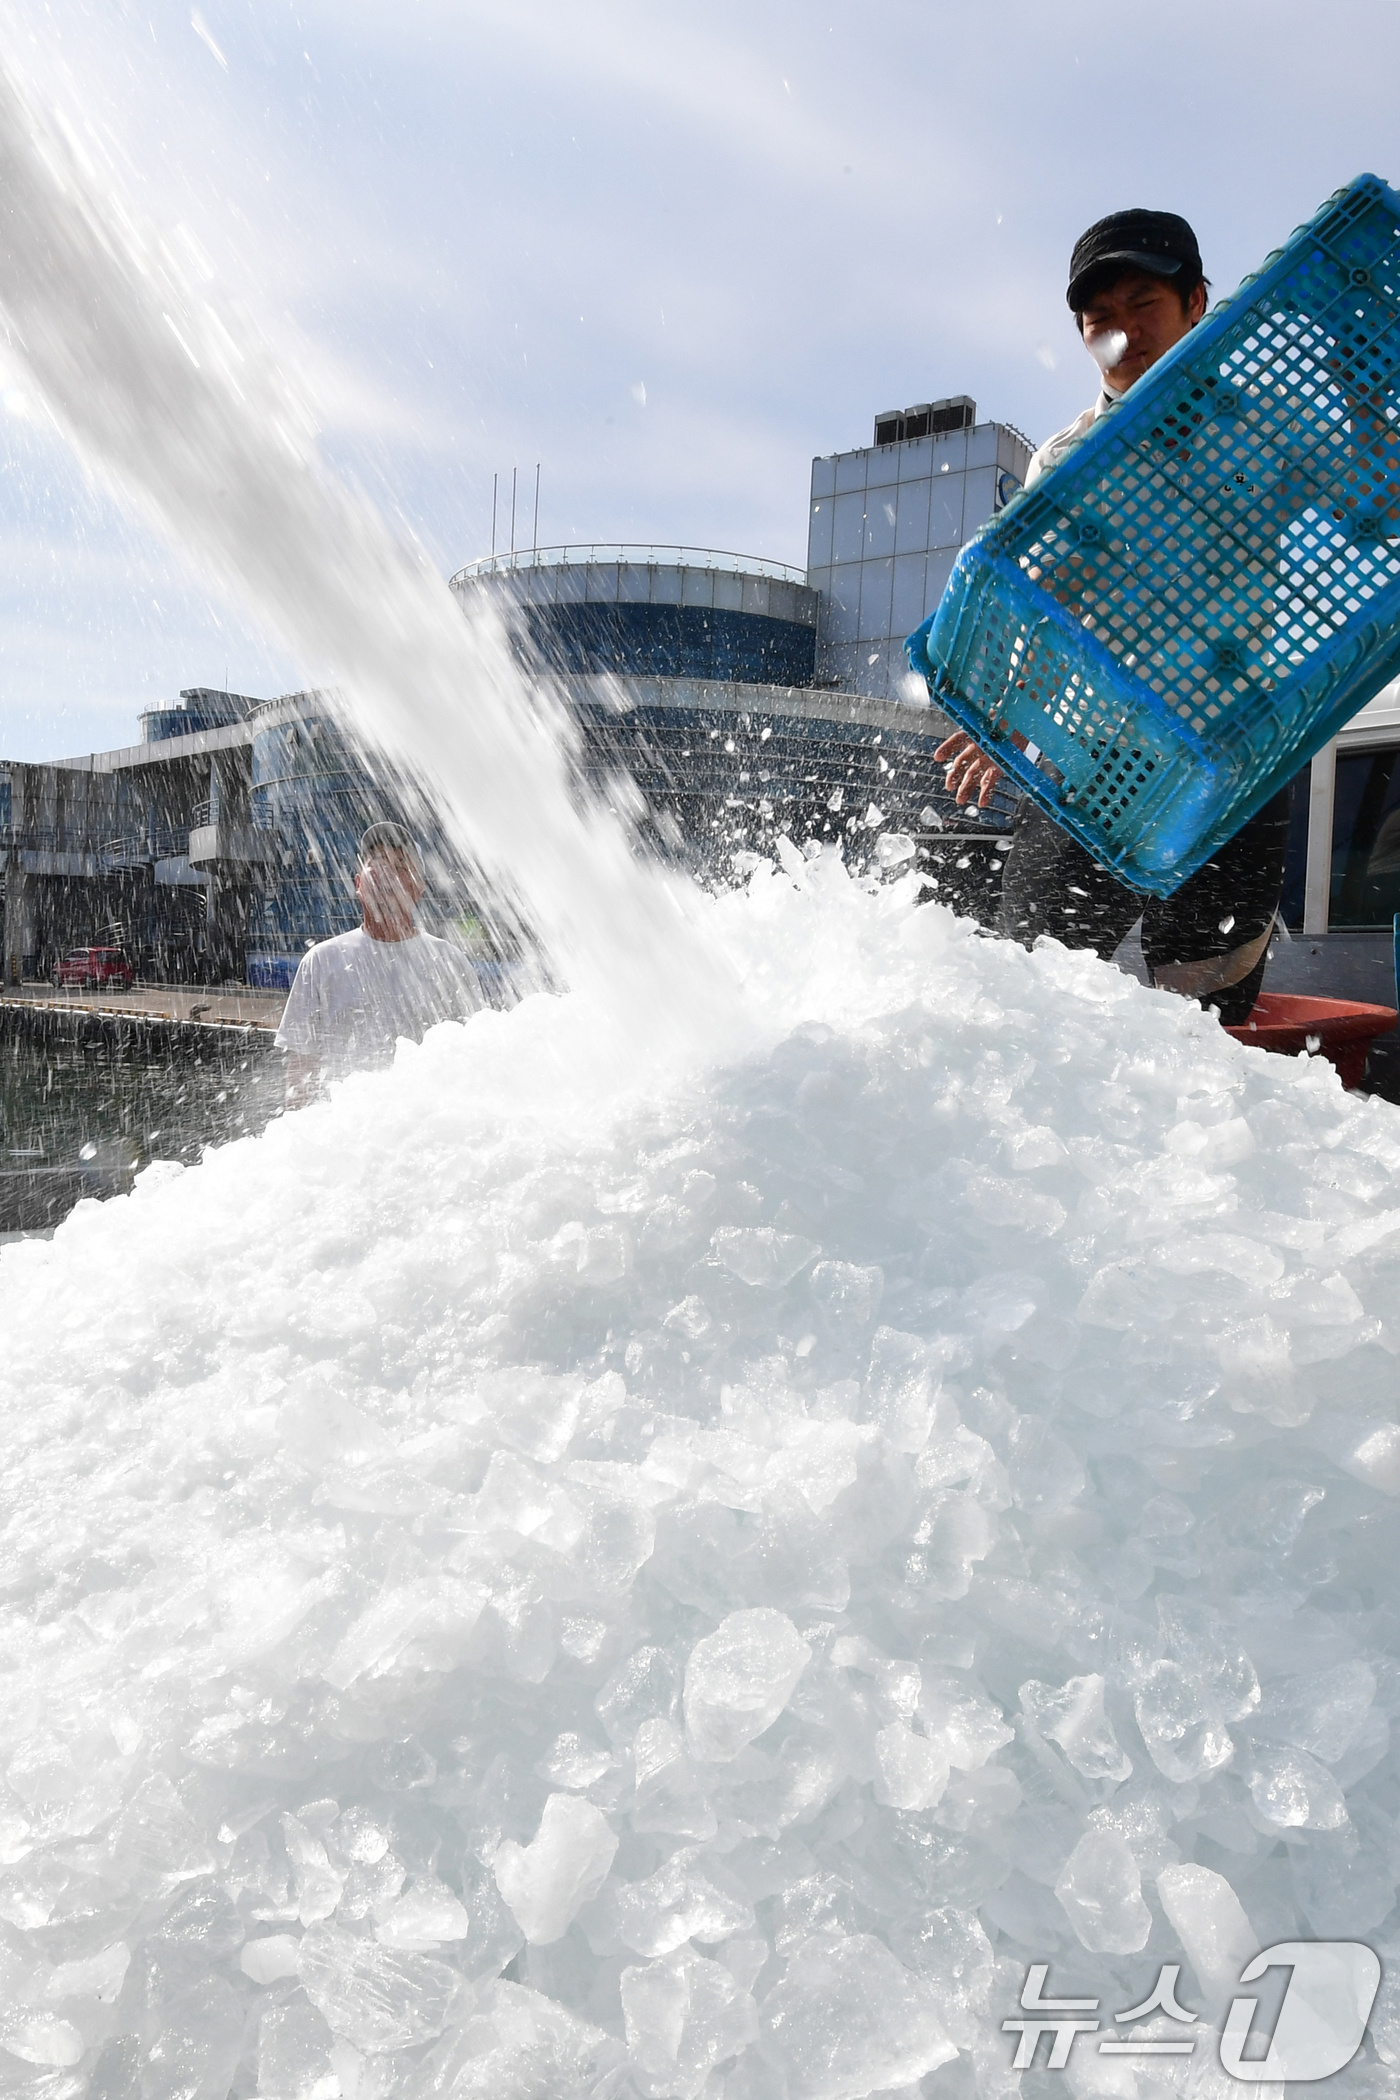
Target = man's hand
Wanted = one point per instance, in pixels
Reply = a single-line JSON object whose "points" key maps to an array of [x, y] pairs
{"points": [[303, 1083], [969, 775]]}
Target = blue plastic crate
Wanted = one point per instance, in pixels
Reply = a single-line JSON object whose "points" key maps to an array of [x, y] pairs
{"points": [[1208, 585]]}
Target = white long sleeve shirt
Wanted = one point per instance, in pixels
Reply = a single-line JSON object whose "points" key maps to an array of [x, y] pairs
{"points": [[1054, 449]]}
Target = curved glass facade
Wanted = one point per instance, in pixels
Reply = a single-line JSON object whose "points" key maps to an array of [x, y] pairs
{"points": [[716, 777], [673, 641]]}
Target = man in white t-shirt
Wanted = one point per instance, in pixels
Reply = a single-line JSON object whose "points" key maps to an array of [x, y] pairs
{"points": [[354, 996]]}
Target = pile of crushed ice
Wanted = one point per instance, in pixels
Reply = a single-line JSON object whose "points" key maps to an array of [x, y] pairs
{"points": [[545, 1578]]}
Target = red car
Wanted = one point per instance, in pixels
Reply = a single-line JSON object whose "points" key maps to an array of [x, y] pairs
{"points": [[94, 966]]}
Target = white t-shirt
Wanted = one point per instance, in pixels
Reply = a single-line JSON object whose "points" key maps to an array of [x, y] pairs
{"points": [[353, 997]]}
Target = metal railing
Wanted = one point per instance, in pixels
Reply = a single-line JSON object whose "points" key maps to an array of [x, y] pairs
{"points": [[130, 850], [640, 554], [160, 842]]}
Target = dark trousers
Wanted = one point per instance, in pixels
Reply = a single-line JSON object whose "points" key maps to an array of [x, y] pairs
{"points": [[1053, 885]]}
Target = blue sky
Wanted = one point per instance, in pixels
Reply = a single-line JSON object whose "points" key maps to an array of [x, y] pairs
{"points": [[670, 252]]}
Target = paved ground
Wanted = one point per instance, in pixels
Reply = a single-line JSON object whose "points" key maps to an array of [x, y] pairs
{"points": [[163, 1002]]}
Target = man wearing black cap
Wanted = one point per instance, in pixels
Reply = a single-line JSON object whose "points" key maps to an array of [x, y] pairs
{"points": [[354, 996], [1136, 287]]}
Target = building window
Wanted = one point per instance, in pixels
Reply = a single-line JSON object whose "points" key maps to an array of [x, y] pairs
{"points": [[1365, 885], [1295, 867]]}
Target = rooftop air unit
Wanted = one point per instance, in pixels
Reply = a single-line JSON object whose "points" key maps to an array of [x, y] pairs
{"points": [[925, 419]]}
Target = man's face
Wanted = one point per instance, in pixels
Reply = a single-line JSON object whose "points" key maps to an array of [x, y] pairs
{"points": [[389, 885], [1149, 312]]}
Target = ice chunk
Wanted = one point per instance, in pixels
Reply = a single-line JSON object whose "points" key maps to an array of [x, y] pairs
{"points": [[1100, 1890], [573, 1761], [617, 1538], [159, 1830], [820, 1905], [374, 1997], [1200, 1638], [41, 2038], [954, 1532], [493, 1937], [1322, 1712], [1035, 1146], [318, 1425], [848, 2019], [423, 1916], [1293, 1791], [518, 2042], [98, 1976], [1209, 1920], [1143, 1815], [275, 1955], [911, 1771], [739, 1679], [547, 1882], [903, 1392], [669, 1799], [847, 1297], [686, 1899], [998, 1201], [361, 1836], [196, 2050], [116, 2073], [1181, 1724], [1109, 349], [1044, 1471], [745, 1958], [418, 1624], [1373, 1455], [900, 1682], [1074, 1718], [684, 2016], [648, 1684], [295, 2051], [758, 1255], [893, 849], [535, 1412], [959, 1716], [690, 1317], [1344, 1880], [203, 1916], [950, 1950], [319, 1885]]}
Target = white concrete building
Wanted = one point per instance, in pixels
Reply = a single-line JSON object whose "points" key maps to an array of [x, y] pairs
{"points": [[884, 529]]}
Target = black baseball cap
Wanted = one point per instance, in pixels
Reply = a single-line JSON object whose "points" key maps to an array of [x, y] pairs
{"points": [[1157, 241]]}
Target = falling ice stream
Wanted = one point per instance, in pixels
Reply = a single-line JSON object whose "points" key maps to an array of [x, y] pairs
{"points": [[682, 1572]]}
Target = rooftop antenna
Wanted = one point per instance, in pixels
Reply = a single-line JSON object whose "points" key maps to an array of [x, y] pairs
{"points": [[513, 472], [535, 535], [494, 479]]}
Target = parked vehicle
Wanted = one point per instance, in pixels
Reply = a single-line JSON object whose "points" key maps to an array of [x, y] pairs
{"points": [[94, 967]]}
